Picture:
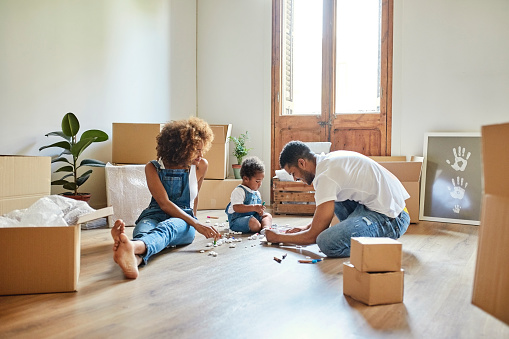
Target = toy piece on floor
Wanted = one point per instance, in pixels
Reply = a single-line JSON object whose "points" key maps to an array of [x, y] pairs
{"points": [[309, 261], [277, 259]]}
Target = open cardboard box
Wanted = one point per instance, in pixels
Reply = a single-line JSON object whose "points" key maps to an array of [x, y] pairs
{"points": [[491, 281], [42, 259], [409, 173], [23, 181]]}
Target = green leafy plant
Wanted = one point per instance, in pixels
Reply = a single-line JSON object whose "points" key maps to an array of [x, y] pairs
{"points": [[240, 150], [71, 151]]}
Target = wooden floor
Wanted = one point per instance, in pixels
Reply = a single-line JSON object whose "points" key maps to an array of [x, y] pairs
{"points": [[244, 293]]}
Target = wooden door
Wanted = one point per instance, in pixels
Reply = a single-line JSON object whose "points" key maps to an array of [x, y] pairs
{"points": [[366, 133]]}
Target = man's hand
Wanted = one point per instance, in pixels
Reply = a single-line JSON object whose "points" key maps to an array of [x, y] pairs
{"points": [[271, 235]]}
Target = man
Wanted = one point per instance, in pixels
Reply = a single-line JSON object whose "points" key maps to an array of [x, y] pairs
{"points": [[368, 200]]}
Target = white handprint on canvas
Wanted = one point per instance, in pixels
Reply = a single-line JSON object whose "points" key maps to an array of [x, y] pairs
{"points": [[460, 161], [458, 191], [456, 208]]}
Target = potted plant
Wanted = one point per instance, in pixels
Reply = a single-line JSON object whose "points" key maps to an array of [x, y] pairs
{"points": [[240, 151], [71, 152]]}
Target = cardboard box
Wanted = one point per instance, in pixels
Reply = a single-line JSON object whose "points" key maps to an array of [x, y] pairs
{"points": [[127, 192], [409, 173], [375, 254], [491, 280], [23, 181], [218, 155], [373, 288], [134, 143], [42, 259], [215, 194]]}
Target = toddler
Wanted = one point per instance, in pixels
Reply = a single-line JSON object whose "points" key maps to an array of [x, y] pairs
{"points": [[246, 213]]}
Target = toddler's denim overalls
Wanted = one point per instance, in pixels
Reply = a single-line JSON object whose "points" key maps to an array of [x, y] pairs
{"points": [[239, 222]]}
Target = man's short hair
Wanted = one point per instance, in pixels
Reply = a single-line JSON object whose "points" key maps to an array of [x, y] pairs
{"points": [[293, 151]]}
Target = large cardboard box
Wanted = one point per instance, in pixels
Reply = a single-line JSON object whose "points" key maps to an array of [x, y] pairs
{"points": [[375, 254], [215, 194], [218, 154], [134, 143], [373, 288], [491, 281], [42, 259], [409, 173], [23, 180]]}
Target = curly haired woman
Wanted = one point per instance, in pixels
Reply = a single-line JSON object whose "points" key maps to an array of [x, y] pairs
{"points": [[174, 181]]}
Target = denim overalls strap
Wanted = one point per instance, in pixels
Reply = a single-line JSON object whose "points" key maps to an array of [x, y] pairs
{"points": [[176, 184]]}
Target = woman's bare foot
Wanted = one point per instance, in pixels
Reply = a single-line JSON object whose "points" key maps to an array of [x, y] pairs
{"points": [[117, 229], [125, 258]]}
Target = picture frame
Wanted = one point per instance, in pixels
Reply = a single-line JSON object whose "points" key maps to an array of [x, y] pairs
{"points": [[451, 183]]}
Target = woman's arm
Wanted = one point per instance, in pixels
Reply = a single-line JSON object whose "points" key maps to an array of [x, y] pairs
{"points": [[159, 193], [201, 170]]}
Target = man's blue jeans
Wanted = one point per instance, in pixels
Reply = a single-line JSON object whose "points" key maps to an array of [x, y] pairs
{"points": [[356, 220]]}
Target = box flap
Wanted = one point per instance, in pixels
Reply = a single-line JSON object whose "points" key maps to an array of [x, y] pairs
{"points": [[495, 159], [103, 212], [383, 158], [221, 133], [405, 171]]}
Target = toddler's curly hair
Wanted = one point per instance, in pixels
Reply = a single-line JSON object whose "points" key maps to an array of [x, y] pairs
{"points": [[179, 140], [251, 166]]}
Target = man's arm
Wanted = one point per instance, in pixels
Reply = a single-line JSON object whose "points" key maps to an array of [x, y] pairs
{"points": [[321, 220]]}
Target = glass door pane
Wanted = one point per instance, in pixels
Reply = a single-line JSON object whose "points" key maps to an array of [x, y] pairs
{"points": [[358, 47], [302, 57]]}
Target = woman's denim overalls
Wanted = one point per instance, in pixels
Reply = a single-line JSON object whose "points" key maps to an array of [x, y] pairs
{"points": [[159, 230]]}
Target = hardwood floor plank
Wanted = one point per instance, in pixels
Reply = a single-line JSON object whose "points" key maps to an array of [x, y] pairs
{"points": [[245, 293]]}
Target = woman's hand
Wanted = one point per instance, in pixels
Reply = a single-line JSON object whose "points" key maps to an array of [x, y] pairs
{"points": [[207, 231]]}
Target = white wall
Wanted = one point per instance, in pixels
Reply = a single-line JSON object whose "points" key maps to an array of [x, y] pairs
{"points": [[105, 60], [234, 59], [451, 69], [137, 61]]}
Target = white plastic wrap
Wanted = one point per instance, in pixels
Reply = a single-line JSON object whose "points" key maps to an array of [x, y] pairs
{"points": [[127, 192], [53, 210]]}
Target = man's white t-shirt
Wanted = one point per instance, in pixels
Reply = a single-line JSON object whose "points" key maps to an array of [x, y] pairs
{"points": [[347, 175], [238, 195]]}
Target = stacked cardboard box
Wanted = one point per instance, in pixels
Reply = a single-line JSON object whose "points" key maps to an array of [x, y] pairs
{"points": [[23, 181], [374, 275], [134, 144], [491, 281]]}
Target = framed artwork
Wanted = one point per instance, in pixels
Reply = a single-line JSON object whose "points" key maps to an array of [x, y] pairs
{"points": [[451, 183]]}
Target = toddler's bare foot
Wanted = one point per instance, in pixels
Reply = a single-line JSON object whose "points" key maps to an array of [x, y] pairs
{"points": [[117, 229], [125, 258]]}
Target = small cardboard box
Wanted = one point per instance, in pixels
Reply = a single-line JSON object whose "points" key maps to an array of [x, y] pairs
{"points": [[42, 259], [215, 194], [373, 288], [23, 181], [375, 254], [409, 173], [491, 280], [218, 154], [134, 143]]}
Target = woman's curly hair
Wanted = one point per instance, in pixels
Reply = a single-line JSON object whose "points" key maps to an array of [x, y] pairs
{"points": [[179, 140]]}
